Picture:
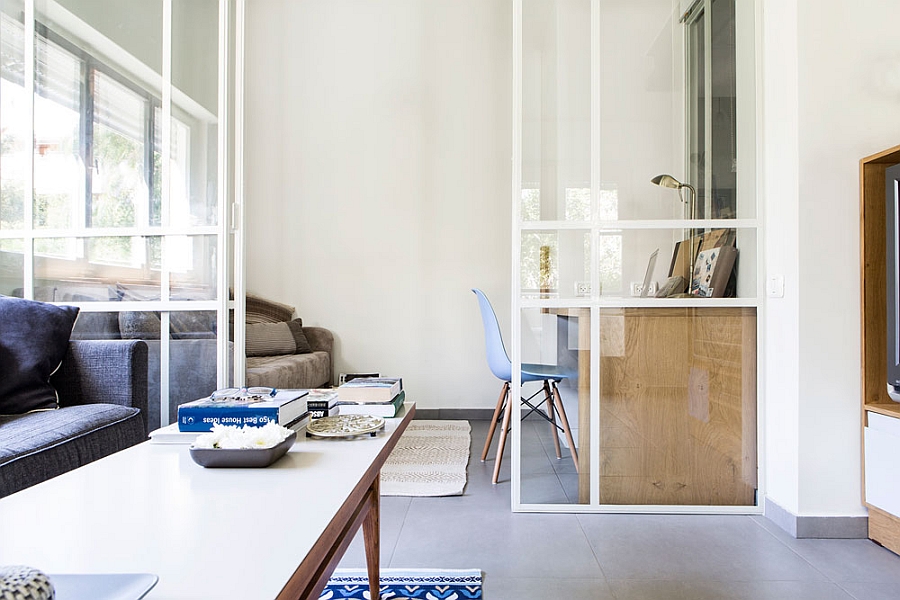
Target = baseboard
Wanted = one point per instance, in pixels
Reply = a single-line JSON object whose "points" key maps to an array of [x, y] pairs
{"points": [[817, 527], [466, 414]]}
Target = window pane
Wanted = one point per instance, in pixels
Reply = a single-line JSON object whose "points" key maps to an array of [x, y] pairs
{"points": [[555, 337], [192, 164], [98, 269], [59, 178], [192, 266], [192, 357], [556, 110], [14, 142], [554, 263], [11, 267], [194, 129], [119, 191], [723, 121]]}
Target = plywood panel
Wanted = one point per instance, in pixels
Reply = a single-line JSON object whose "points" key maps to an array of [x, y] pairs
{"points": [[678, 415], [884, 528], [874, 290]]}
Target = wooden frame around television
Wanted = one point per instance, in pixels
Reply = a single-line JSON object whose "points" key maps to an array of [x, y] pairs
{"points": [[884, 528]]}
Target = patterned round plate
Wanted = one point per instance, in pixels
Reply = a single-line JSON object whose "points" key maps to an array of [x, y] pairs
{"points": [[345, 425]]}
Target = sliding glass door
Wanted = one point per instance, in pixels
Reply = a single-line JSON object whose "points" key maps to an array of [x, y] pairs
{"points": [[633, 172], [120, 204]]}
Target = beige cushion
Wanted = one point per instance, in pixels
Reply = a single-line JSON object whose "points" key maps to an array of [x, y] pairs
{"points": [[269, 339]]}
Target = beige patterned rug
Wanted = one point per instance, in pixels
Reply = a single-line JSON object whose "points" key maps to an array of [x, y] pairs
{"points": [[429, 460]]}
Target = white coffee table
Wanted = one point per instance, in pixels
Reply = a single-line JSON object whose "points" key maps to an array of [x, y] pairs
{"points": [[276, 532]]}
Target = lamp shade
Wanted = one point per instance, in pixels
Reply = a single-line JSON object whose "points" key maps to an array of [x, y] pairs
{"points": [[667, 181]]}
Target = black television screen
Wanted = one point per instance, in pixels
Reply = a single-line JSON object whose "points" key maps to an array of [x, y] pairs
{"points": [[892, 278]]}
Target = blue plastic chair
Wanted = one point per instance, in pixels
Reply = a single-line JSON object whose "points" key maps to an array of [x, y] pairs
{"points": [[501, 367]]}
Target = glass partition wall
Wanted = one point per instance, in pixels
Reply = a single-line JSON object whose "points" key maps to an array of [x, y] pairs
{"points": [[118, 206], [635, 245]]}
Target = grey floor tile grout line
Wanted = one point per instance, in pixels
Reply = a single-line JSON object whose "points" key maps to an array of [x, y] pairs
{"points": [[587, 539], [399, 533], [848, 592]]}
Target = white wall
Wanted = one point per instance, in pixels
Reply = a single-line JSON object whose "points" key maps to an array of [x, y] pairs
{"points": [[780, 165], [378, 176], [846, 106]]}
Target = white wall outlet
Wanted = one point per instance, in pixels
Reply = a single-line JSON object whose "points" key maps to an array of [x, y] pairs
{"points": [[638, 286], [775, 286], [582, 288]]}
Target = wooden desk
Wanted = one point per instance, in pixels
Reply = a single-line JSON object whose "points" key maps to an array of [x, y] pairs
{"points": [[677, 405], [277, 532]]}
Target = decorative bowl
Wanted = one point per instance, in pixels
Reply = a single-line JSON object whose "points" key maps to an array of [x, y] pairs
{"points": [[253, 457], [345, 426]]}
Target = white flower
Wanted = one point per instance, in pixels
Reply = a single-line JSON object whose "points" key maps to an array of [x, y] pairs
{"points": [[267, 436], [232, 437], [213, 438]]}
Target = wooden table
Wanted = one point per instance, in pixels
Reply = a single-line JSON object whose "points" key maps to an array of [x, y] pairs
{"points": [[277, 532]]}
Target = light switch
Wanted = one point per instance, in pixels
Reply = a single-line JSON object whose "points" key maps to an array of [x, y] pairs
{"points": [[775, 286]]}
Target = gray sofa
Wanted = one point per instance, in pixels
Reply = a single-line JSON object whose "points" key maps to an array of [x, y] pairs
{"points": [[192, 370], [292, 371], [193, 349], [102, 388], [192, 364]]}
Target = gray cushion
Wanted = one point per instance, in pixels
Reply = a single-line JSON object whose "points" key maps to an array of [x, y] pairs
{"points": [[96, 326], [136, 325], [183, 325], [300, 341], [45, 444], [34, 337], [191, 325]]}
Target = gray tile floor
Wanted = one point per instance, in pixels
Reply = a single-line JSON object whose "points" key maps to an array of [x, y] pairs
{"points": [[622, 557]]}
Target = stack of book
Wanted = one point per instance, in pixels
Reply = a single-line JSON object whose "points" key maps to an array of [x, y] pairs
{"points": [[377, 396], [284, 407], [322, 403]]}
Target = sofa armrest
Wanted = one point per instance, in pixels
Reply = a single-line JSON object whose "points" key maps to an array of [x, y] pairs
{"points": [[320, 339], [104, 371]]}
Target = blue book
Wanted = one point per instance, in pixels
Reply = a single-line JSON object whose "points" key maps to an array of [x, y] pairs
{"points": [[284, 408]]}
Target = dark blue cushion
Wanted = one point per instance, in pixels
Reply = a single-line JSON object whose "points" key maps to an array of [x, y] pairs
{"points": [[34, 337]]}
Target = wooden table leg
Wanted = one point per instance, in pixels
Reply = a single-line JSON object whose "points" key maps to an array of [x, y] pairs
{"points": [[372, 537]]}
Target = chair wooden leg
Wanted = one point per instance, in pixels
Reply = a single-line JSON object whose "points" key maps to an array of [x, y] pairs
{"points": [[551, 412], [501, 443], [504, 392], [565, 425]]}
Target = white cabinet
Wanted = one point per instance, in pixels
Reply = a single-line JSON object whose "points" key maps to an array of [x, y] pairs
{"points": [[882, 439]]}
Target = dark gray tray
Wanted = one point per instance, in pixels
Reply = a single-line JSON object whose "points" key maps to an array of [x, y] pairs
{"points": [[217, 458]]}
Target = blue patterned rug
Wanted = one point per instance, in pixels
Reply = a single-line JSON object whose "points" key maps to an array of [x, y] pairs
{"points": [[397, 584]]}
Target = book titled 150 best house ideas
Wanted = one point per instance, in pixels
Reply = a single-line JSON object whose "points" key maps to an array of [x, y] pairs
{"points": [[284, 407]]}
